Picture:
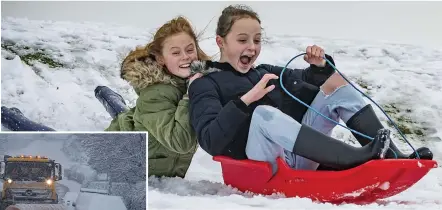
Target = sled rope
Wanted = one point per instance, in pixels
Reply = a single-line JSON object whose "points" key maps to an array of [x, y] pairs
{"points": [[337, 123]]}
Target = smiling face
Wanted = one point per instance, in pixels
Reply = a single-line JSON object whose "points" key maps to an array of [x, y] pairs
{"points": [[242, 45], [178, 52], [238, 35]]}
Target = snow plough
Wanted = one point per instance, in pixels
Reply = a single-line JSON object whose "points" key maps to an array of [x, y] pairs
{"points": [[29, 182]]}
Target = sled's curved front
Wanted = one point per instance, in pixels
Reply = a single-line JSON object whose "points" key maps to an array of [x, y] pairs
{"points": [[373, 180]]}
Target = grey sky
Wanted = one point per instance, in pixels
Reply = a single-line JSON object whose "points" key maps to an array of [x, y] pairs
{"points": [[400, 22]]}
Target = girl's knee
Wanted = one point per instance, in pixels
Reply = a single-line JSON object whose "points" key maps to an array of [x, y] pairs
{"points": [[265, 112], [334, 82], [268, 116]]}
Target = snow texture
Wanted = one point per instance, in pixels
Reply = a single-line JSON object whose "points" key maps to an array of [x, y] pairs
{"points": [[97, 201], [404, 79]]}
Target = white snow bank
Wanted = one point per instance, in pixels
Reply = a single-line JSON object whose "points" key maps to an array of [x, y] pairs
{"points": [[90, 201]]}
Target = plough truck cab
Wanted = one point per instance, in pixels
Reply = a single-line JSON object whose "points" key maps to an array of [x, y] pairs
{"points": [[29, 180]]}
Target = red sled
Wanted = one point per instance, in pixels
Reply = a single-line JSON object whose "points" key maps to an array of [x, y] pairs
{"points": [[376, 179]]}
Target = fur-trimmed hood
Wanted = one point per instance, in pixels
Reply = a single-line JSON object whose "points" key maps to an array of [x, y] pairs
{"points": [[203, 67], [142, 71]]}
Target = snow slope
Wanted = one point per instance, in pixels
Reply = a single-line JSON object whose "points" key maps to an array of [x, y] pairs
{"points": [[405, 78]]}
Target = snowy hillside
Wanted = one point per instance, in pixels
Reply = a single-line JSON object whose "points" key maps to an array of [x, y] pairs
{"points": [[84, 157], [68, 60]]}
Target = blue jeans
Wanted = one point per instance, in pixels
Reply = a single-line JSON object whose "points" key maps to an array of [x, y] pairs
{"points": [[275, 136]]}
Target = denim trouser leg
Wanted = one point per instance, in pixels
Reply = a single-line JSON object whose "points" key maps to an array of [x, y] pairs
{"points": [[14, 120], [273, 134]]}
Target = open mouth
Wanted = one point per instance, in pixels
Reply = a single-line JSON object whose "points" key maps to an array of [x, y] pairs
{"points": [[187, 65], [245, 60]]}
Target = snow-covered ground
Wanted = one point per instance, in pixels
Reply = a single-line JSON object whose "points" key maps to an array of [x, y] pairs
{"points": [[403, 78]]}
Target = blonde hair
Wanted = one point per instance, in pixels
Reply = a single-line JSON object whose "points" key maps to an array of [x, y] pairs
{"points": [[155, 47]]}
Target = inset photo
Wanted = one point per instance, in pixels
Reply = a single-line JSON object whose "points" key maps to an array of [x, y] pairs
{"points": [[73, 171]]}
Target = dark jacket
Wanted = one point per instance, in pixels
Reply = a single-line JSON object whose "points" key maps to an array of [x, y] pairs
{"points": [[221, 120]]}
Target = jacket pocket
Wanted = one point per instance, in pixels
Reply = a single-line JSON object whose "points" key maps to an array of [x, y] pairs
{"points": [[155, 149], [306, 92], [162, 167]]}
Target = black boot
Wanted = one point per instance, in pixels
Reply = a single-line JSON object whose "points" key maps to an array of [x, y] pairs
{"points": [[336, 154], [112, 101], [366, 122]]}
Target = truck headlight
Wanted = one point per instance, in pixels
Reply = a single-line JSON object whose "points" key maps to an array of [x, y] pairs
{"points": [[9, 181], [49, 181]]}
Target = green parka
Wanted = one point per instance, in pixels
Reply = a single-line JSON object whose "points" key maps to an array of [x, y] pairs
{"points": [[162, 111]]}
